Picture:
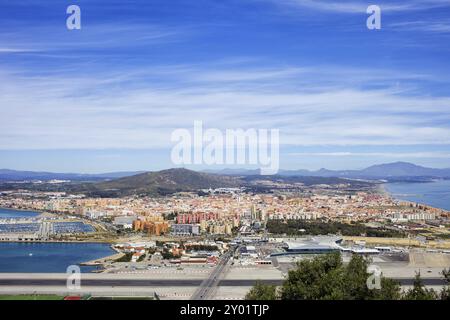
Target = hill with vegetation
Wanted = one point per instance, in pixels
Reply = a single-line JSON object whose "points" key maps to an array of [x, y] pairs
{"points": [[162, 183]]}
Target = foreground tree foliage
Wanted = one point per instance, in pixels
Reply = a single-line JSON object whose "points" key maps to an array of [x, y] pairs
{"points": [[419, 292], [445, 293], [318, 278], [325, 277], [262, 292]]}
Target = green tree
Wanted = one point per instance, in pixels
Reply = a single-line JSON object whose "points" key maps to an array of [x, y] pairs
{"points": [[390, 290], [318, 278], [141, 258], [125, 258], [445, 293], [262, 292], [325, 277], [419, 292], [355, 279]]}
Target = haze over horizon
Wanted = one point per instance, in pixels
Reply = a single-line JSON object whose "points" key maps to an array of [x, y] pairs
{"points": [[225, 169], [107, 97]]}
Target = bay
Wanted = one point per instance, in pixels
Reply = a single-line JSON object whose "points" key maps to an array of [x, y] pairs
{"points": [[18, 257], [435, 193]]}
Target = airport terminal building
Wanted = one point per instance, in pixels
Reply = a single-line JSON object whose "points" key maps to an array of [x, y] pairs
{"points": [[320, 245]]}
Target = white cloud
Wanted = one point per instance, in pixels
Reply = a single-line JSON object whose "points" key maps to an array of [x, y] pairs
{"points": [[248, 75], [134, 109], [15, 50], [91, 36]]}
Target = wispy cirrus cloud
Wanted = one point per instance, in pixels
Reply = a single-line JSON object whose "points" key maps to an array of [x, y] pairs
{"points": [[361, 6], [32, 39], [105, 109], [426, 26], [16, 50]]}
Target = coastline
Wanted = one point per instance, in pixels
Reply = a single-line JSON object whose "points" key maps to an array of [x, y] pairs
{"points": [[21, 209], [381, 188], [103, 260], [385, 192], [62, 241]]}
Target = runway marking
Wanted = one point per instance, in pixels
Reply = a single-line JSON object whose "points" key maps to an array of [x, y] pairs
{"points": [[171, 295], [162, 272]]}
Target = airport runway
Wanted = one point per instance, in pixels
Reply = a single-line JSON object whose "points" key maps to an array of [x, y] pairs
{"points": [[173, 282]]}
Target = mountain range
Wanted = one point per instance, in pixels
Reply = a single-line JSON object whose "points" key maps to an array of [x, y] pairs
{"points": [[387, 171], [15, 175], [171, 181], [178, 180]]}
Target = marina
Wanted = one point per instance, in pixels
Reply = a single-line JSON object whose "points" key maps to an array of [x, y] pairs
{"points": [[17, 225]]}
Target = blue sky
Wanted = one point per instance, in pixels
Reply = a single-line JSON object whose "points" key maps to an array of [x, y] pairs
{"points": [[108, 96]]}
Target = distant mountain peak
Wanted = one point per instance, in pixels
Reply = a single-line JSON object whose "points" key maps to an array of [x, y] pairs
{"points": [[397, 164]]}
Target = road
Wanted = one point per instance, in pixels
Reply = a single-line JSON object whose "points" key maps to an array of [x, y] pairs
{"points": [[207, 287]]}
